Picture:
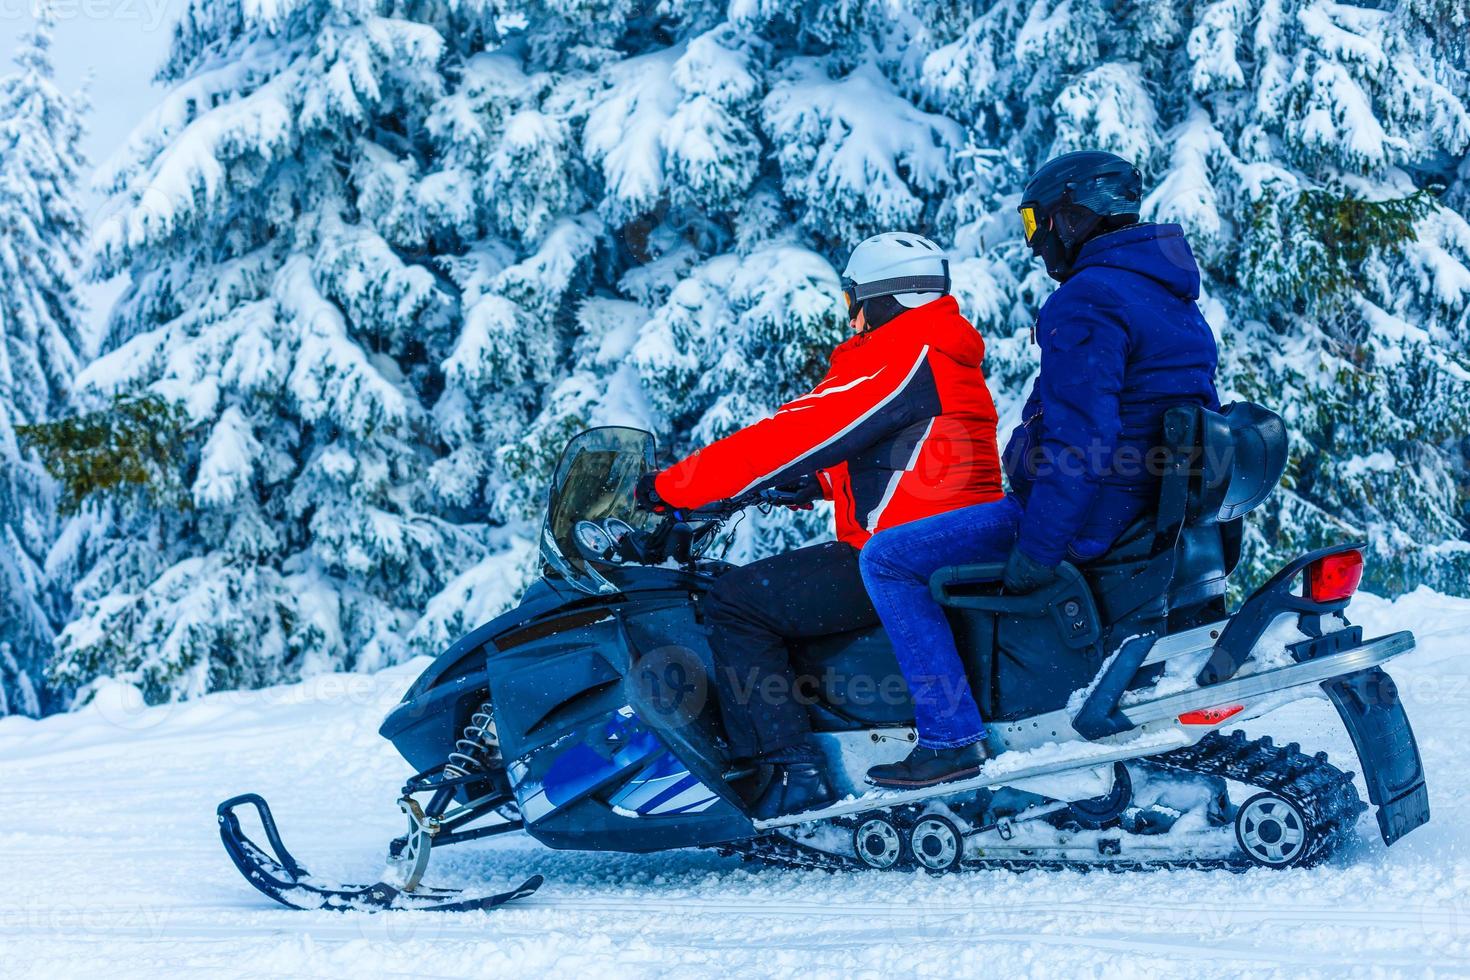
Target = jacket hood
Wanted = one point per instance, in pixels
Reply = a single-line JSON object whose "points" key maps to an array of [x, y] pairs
{"points": [[1156, 251], [937, 323]]}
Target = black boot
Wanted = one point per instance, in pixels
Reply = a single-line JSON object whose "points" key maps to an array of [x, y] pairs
{"points": [[929, 767], [795, 787]]}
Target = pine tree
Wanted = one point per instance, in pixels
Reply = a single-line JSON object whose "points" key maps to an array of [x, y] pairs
{"points": [[277, 216], [41, 242]]}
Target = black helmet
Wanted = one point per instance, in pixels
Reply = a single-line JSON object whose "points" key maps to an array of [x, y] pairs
{"points": [[1074, 197]]}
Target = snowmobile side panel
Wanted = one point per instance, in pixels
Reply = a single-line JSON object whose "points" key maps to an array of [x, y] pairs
{"points": [[858, 679], [608, 728], [1024, 654], [616, 786], [1368, 703], [424, 730]]}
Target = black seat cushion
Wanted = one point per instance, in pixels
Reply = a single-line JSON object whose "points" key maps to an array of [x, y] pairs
{"points": [[855, 679]]}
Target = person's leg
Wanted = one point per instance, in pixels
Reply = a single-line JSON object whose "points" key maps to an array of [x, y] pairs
{"points": [[752, 612], [896, 565]]}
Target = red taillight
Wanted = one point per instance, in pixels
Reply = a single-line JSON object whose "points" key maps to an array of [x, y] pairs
{"points": [[1210, 716], [1335, 577]]}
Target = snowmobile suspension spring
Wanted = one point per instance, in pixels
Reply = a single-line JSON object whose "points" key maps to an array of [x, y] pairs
{"points": [[477, 749]]}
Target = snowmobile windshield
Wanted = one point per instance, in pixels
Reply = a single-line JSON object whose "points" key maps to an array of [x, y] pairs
{"points": [[594, 484]]}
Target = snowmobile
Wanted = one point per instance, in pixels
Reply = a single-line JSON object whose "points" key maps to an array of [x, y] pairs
{"points": [[585, 718]]}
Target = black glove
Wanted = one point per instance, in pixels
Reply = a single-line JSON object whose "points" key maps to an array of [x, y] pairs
{"points": [[645, 495], [1024, 576], [801, 494]]}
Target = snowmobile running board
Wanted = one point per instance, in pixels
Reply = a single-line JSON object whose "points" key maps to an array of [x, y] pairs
{"points": [[1156, 731], [277, 874]]}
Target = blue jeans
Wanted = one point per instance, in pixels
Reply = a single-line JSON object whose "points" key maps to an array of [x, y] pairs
{"points": [[896, 565]]}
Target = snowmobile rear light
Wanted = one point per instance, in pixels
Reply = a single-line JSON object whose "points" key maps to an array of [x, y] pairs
{"points": [[1210, 716], [1335, 577]]}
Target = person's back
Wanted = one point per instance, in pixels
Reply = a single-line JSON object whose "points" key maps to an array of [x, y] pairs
{"points": [[1123, 341], [901, 427]]}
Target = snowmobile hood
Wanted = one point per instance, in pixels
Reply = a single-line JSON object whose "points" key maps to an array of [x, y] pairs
{"points": [[1159, 252]]}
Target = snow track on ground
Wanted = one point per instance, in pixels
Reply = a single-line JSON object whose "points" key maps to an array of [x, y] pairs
{"points": [[108, 814]]}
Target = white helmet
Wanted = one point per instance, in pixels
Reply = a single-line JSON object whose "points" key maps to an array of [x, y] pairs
{"points": [[910, 268]]}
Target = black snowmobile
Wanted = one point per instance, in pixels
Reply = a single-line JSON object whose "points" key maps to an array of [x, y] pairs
{"points": [[584, 718]]}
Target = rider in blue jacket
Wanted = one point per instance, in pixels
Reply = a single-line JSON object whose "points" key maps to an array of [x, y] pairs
{"points": [[1122, 341]]}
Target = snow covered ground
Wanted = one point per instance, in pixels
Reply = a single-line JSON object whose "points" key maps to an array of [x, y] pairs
{"points": [[111, 866]]}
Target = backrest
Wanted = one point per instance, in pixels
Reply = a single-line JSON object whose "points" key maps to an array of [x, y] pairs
{"points": [[1174, 564], [1258, 446], [1219, 465]]}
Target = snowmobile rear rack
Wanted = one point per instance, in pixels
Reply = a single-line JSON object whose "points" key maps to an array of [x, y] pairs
{"points": [[1258, 612], [278, 875]]}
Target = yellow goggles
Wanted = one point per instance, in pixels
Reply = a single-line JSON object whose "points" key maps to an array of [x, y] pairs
{"points": [[1028, 221]]}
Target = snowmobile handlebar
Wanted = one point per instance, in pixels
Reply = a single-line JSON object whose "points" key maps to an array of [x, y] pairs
{"points": [[680, 530], [789, 495]]}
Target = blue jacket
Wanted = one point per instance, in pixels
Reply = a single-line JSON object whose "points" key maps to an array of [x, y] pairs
{"points": [[1122, 340]]}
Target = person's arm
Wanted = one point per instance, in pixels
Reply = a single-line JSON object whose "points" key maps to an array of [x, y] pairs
{"points": [[1083, 360], [1021, 447], [843, 414]]}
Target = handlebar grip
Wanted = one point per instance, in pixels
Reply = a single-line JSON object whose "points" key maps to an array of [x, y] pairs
{"points": [[944, 583]]}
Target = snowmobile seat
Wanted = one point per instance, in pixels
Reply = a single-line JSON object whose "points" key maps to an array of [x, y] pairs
{"points": [[1166, 572]]}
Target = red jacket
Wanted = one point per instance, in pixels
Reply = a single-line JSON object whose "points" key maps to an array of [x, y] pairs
{"points": [[902, 427]]}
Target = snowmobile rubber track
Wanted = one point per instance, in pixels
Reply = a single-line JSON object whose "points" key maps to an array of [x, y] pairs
{"points": [[777, 849], [1325, 794]]}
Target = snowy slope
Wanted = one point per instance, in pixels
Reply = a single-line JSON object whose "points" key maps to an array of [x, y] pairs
{"points": [[112, 866]]}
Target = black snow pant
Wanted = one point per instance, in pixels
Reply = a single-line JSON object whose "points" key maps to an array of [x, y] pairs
{"points": [[752, 612]]}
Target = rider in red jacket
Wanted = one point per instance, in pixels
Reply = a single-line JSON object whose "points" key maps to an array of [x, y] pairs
{"points": [[901, 428]]}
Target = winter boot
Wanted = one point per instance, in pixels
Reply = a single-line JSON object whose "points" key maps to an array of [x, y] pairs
{"points": [[929, 767], [795, 787]]}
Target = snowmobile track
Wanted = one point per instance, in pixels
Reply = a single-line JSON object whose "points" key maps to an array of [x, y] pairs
{"points": [[1324, 792]]}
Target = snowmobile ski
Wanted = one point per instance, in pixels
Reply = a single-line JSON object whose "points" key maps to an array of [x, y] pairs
{"points": [[277, 874]]}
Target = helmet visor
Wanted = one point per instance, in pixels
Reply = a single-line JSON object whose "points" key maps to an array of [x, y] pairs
{"points": [[1028, 221], [849, 296]]}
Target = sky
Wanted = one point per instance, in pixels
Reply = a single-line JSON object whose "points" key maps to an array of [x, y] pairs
{"points": [[119, 44]]}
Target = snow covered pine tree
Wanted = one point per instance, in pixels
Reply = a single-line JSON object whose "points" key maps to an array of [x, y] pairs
{"points": [[390, 256], [275, 222], [41, 245], [1298, 142]]}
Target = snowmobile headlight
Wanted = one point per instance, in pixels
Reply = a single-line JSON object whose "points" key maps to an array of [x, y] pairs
{"points": [[1028, 221]]}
